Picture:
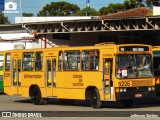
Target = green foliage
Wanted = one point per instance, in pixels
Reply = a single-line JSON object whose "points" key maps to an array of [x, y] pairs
{"points": [[133, 3], [112, 8], [103, 11], [67, 9], [27, 14], [126, 5], [59, 9], [82, 12], [130, 4], [154, 2], [148, 3], [3, 19]]}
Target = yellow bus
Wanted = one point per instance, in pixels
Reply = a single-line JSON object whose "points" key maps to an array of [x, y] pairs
{"points": [[156, 59], [104, 72]]}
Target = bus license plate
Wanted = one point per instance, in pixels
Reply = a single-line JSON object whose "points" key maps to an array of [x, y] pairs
{"points": [[138, 95]]}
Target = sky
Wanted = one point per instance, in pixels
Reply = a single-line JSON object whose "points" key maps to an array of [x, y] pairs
{"points": [[34, 6]]}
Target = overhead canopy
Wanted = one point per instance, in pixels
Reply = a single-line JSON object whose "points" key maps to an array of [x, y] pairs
{"points": [[95, 25], [91, 24]]}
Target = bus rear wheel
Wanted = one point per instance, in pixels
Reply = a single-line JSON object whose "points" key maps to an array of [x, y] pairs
{"points": [[36, 96], [127, 103], [95, 99]]}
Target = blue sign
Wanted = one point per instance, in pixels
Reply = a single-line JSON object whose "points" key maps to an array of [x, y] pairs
{"points": [[1, 5], [87, 1]]}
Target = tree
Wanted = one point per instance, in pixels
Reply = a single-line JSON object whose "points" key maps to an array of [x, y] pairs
{"points": [[103, 11], [82, 12], [155, 2], [3, 19], [59, 9], [148, 3], [27, 14], [112, 8], [142, 3], [128, 4], [133, 3]]}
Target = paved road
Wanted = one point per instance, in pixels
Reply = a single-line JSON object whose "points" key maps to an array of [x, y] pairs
{"points": [[15, 103]]}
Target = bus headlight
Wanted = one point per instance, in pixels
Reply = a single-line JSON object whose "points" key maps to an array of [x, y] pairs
{"points": [[121, 90], [125, 90], [153, 88], [149, 88]]}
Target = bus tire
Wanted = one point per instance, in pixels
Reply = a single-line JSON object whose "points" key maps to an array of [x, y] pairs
{"points": [[95, 99], [36, 96], [127, 103]]}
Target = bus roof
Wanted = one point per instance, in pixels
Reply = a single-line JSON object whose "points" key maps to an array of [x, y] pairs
{"points": [[97, 46]]}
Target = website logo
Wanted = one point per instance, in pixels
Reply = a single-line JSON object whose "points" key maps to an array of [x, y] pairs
{"points": [[6, 114], [10, 6]]}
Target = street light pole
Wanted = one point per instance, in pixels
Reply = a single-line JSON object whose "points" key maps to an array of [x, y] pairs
{"points": [[21, 12], [87, 7]]}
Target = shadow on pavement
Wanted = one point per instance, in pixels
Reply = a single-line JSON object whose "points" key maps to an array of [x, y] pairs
{"points": [[2, 93], [139, 103]]}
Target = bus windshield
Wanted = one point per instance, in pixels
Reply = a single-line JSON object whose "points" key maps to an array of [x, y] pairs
{"points": [[134, 66]]}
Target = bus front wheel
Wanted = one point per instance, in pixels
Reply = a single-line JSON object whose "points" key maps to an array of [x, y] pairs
{"points": [[95, 99], [36, 96]]}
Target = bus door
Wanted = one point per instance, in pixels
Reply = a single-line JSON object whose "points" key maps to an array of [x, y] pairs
{"points": [[15, 75], [50, 76], [107, 78]]}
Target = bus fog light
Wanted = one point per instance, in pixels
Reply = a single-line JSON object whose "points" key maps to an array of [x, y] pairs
{"points": [[121, 90], [125, 90], [149, 88]]}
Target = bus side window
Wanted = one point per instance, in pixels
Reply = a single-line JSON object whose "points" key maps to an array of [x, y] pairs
{"points": [[1, 61], [71, 60], [28, 61], [39, 61], [60, 61], [7, 62], [90, 60], [156, 65]]}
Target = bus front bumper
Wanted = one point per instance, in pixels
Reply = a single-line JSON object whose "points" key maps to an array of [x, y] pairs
{"points": [[135, 95]]}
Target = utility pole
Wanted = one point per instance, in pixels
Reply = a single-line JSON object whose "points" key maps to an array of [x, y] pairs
{"points": [[21, 12]]}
